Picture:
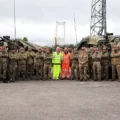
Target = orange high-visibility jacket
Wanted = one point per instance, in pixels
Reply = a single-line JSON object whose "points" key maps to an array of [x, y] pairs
{"points": [[66, 58], [66, 65]]}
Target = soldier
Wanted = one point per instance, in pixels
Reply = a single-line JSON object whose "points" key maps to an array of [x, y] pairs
{"points": [[75, 64], [115, 56], [44, 50], [3, 62], [96, 58], [61, 50], [70, 50], [105, 64], [83, 63], [22, 60], [13, 59], [90, 62], [90, 52], [30, 62], [47, 65], [39, 63]]}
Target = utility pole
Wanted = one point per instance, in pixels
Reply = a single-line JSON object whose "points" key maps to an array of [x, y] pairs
{"points": [[75, 28], [14, 19], [98, 18]]}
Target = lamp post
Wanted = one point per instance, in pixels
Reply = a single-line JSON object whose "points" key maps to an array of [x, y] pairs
{"points": [[14, 20], [75, 28]]}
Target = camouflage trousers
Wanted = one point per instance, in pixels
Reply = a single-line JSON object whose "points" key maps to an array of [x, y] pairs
{"points": [[12, 72], [105, 71], [3, 70], [90, 71], [83, 72], [96, 71], [73, 68], [39, 72], [47, 71], [22, 71], [114, 68], [30, 69]]}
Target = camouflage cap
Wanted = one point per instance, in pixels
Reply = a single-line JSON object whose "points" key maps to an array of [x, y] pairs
{"points": [[83, 48], [39, 48], [29, 47], [45, 48], [75, 49], [48, 49], [22, 48]]}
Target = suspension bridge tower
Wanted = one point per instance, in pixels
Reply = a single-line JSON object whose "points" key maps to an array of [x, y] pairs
{"points": [[60, 33]]}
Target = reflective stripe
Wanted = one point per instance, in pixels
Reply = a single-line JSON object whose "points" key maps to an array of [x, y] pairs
{"points": [[57, 58]]}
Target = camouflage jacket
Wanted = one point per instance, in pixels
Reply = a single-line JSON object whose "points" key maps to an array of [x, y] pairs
{"points": [[115, 58], [96, 57], [22, 58], [47, 58], [74, 58], [83, 59], [90, 62], [13, 58], [39, 59], [3, 56], [30, 58], [105, 57]]}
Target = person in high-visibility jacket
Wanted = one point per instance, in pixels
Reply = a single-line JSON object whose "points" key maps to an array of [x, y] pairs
{"points": [[66, 64], [56, 61]]}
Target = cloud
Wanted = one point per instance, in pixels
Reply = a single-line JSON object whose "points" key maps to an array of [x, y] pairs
{"points": [[37, 19]]}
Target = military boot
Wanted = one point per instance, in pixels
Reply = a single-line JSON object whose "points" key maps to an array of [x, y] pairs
{"points": [[81, 78], [71, 78]]}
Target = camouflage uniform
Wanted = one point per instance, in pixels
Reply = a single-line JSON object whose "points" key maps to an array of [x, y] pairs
{"points": [[3, 64], [75, 65], [22, 59], [105, 65], [115, 56], [39, 63], [96, 58], [83, 65], [47, 65], [90, 64], [30, 63], [13, 59]]}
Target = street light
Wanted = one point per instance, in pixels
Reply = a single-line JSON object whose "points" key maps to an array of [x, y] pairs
{"points": [[75, 28], [14, 19]]}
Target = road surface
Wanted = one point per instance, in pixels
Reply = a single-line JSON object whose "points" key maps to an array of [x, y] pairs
{"points": [[60, 100]]}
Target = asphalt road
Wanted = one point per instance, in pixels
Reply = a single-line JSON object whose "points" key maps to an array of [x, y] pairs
{"points": [[60, 100]]}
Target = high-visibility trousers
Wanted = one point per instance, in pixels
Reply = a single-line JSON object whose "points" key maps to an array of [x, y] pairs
{"points": [[65, 70], [56, 71]]}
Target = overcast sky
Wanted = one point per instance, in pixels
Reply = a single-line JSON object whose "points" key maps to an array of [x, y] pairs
{"points": [[36, 19]]}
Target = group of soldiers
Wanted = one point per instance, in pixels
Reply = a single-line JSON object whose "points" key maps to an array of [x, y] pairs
{"points": [[97, 65], [85, 64], [24, 65]]}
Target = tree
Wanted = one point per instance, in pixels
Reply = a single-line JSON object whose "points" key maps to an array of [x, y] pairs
{"points": [[25, 39], [71, 46]]}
